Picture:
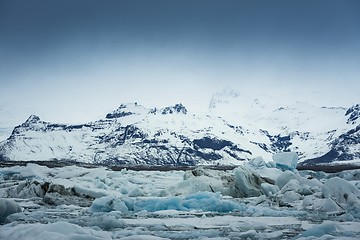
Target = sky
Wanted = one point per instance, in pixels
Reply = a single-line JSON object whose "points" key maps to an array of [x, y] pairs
{"points": [[73, 61]]}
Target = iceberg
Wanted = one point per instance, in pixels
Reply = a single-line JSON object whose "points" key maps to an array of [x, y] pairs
{"points": [[286, 160], [205, 201], [344, 193], [8, 207]]}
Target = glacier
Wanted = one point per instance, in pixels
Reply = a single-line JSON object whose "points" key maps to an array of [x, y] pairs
{"points": [[255, 200]]}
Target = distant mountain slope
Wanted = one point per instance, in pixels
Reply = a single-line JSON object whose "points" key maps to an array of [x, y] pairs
{"points": [[237, 128], [319, 134], [346, 147], [132, 134]]}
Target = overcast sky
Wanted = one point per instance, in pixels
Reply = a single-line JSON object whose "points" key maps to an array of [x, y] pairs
{"points": [[75, 60]]}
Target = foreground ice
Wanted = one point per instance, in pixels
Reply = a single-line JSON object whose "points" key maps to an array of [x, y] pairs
{"points": [[257, 200], [57, 230], [8, 207]]}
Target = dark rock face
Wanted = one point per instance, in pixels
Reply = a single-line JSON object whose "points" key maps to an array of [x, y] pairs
{"points": [[2, 156], [211, 143], [121, 134], [327, 158], [32, 119], [343, 148], [353, 113], [278, 143], [345, 144], [120, 112], [178, 108]]}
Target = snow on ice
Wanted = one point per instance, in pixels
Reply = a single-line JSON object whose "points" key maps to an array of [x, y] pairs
{"points": [[257, 200]]}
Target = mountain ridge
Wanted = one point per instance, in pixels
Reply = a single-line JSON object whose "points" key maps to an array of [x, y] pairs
{"points": [[133, 134]]}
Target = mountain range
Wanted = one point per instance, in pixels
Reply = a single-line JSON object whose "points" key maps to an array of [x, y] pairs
{"points": [[236, 128]]}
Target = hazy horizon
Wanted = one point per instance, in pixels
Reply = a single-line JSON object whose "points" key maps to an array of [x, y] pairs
{"points": [[73, 61]]}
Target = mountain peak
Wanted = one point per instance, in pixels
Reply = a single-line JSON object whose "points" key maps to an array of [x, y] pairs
{"points": [[125, 110], [32, 119], [29, 123], [353, 113], [176, 109]]}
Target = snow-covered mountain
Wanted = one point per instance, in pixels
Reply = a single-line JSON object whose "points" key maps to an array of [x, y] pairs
{"points": [[132, 134], [319, 134], [237, 128]]}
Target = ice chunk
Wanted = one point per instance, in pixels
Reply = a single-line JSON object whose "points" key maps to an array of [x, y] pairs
{"points": [[8, 207], [350, 175], [290, 197], [89, 192], [340, 190], [287, 176], [54, 231], [286, 160], [105, 221], [27, 189], [305, 190], [292, 185], [328, 205], [33, 171], [257, 162], [308, 201], [269, 189], [284, 178], [324, 205], [322, 229], [205, 201], [343, 193], [247, 182], [250, 234], [204, 180], [108, 204], [136, 193], [158, 204]]}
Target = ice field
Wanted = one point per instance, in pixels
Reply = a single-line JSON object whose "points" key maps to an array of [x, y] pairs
{"points": [[257, 200]]}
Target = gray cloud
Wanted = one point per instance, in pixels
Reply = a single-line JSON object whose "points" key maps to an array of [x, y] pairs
{"points": [[174, 50]]}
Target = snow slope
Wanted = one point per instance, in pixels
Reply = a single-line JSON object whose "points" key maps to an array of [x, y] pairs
{"points": [[237, 128], [133, 134], [316, 133]]}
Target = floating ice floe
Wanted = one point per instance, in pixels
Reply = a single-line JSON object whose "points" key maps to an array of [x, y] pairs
{"points": [[256, 200]]}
